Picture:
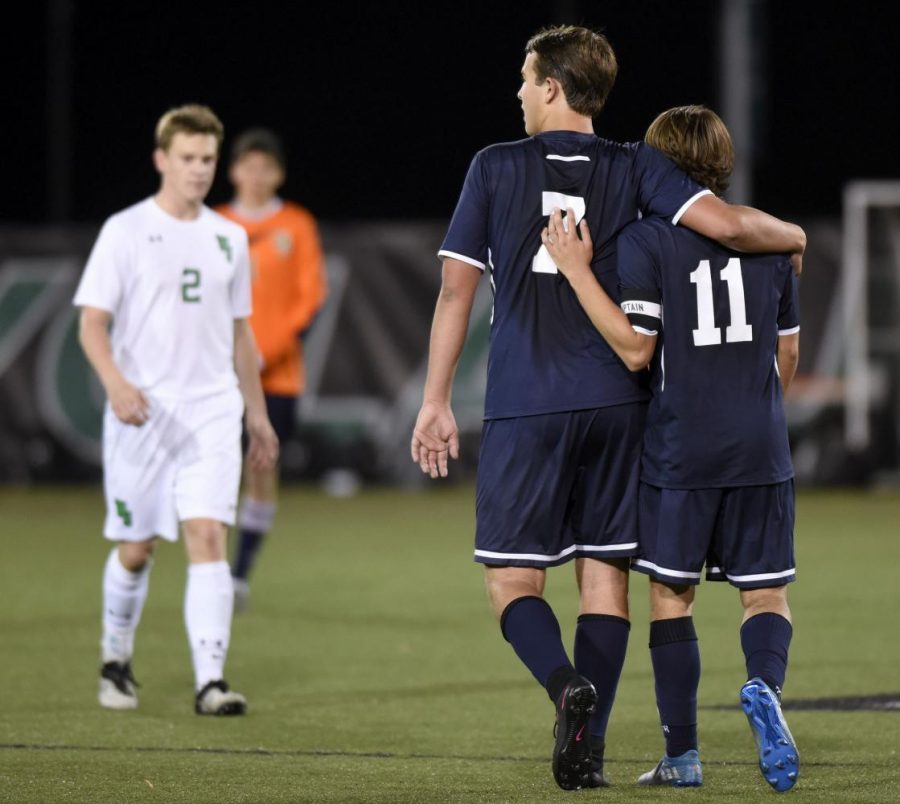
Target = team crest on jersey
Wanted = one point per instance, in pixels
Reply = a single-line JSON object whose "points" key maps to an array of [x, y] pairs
{"points": [[283, 242], [225, 245]]}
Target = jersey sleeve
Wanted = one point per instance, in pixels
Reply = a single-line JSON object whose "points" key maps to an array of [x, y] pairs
{"points": [[241, 303], [467, 237], [640, 297], [101, 283], [663, 189], [789, 307], [310, 287]]}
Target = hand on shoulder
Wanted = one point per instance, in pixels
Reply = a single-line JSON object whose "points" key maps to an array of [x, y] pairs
{"points": [[571, 253]]}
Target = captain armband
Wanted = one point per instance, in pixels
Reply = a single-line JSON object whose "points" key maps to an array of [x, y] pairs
{"points": [[643, 309]]}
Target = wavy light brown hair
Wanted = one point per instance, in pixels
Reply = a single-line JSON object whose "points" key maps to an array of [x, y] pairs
{"points": [[581, 60], [192, 118], [695, 139]]}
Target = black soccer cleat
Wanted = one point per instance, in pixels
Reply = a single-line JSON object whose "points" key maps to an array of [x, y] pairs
{"points": [[217, 699], [117, 686], [572, 752]]}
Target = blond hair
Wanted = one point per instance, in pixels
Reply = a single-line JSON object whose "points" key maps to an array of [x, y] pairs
{"points": [[192, 118], [697, 140]]}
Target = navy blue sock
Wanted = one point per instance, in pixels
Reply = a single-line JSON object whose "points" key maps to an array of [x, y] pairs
{"points": [[676, 669], [765, 639], [531, 627], [249, 542], [600, 643]]}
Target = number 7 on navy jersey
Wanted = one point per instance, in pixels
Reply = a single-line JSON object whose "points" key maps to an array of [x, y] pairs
{"points": [[707, 333], [542, 262]]}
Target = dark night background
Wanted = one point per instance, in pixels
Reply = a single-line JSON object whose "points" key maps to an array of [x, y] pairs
{"points": [[382, 105]]}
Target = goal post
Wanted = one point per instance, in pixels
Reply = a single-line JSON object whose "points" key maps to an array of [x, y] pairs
{"points": [[862, 201]]}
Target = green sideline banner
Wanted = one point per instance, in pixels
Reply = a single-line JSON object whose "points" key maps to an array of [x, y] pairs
{"points": [[365, 356]]}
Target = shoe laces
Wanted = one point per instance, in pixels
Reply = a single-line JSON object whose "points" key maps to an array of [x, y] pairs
{"points": [[119, 673]]}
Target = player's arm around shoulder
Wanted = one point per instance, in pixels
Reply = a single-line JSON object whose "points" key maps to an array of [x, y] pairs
{"points": [[573, 256], [262, 452], [745, 228]]}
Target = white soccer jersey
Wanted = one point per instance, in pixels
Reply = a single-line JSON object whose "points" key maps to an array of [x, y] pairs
{"points": [[173, 288]]}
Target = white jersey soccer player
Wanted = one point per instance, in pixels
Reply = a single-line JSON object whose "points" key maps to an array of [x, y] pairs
{"points": [[174, 289], [165, 299]]}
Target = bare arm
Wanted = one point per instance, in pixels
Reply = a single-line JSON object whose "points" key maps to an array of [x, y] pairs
{"points": [[787, 358], [127, 402], [573, 258], [262, 452], [435, 434], [745, 228]]}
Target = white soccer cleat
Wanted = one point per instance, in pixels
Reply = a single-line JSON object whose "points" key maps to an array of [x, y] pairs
{"points": [[217, 699], [117, 686]]}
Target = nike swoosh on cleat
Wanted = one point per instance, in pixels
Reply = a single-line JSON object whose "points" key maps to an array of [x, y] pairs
{"points": [[578, 736]]}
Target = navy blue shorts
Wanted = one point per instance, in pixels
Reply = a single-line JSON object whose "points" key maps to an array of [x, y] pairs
{"points": [[559, 486], [282, 412], [744, 535]]}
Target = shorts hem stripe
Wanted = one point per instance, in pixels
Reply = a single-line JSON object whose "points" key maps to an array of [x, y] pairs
{"points": [[655, 569], [575, 548], [762, 576]]}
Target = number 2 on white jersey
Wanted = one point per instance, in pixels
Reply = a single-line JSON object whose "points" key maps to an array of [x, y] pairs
{"points": [[707, 333], [542, 262]]}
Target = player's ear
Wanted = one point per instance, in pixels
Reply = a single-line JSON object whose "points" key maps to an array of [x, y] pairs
{"points": [[159, 159], [553, 90]]}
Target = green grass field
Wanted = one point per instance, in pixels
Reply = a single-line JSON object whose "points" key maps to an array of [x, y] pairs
{"points": [[375, 672]]}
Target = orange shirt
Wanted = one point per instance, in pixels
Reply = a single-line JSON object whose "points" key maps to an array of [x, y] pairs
{"points": [[288, 289]]}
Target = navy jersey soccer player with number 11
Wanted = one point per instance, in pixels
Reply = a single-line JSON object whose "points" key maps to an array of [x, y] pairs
{"points": [[716, 481]]}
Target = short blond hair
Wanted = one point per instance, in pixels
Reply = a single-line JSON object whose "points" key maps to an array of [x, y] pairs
{"points": [[697, 140], [192, 118]]}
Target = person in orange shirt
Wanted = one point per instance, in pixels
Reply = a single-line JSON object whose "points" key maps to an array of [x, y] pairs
{"points": [[288, 290]]}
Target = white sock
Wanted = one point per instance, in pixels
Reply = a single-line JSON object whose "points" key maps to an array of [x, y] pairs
{"points": [[208, 604], [124, 593]]}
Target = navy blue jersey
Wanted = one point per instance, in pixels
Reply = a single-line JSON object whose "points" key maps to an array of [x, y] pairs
{"points": [[716, 418], [545, 355]]}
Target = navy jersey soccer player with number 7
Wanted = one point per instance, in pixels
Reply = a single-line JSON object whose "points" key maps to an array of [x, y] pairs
{"points": [[716, 480], [558, 466]]}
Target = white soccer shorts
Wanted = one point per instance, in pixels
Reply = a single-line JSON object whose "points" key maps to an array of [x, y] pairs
{"points": [[183, 463]]}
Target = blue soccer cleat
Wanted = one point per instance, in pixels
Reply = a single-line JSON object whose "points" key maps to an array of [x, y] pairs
{"points": [[680, 771], [779, 760]]}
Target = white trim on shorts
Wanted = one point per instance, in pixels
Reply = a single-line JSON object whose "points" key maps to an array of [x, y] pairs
{"points": [[761, 576], [585, 548], [640, 562]]}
